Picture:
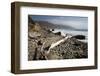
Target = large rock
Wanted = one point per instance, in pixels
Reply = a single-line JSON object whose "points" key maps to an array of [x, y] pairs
{"points": [[79, 37], [34, 34]]}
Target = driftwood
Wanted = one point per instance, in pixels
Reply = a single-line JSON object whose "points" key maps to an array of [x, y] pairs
{"points": [[57, 43], [42, 52], [35, 55]]}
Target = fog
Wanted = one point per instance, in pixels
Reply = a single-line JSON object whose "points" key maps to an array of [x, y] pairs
{"points": [[72, 21]]}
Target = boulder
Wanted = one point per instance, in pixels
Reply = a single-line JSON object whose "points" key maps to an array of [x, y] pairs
{"points": [[34, 34], [58, 33], [81, 37]]}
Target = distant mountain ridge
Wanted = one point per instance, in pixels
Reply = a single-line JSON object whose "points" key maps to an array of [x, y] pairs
{"points": [[51, 25], [56, 26]]}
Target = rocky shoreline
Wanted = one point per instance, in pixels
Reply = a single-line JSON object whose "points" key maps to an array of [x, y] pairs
{"points": [[40, 39]]}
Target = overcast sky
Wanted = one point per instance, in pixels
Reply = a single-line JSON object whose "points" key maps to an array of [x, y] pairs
{"points": [[73, 21]]}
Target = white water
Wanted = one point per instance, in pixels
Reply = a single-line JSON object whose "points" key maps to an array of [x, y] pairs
{"points": [[73, 33]]}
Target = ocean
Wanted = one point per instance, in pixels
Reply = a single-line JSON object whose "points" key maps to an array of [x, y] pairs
{"points": [[73, 33]]}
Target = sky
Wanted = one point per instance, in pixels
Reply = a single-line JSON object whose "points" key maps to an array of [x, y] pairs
{"points": [[73, 21]]}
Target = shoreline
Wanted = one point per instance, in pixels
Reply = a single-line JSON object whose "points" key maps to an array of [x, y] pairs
{"points": [[46, 44]]}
